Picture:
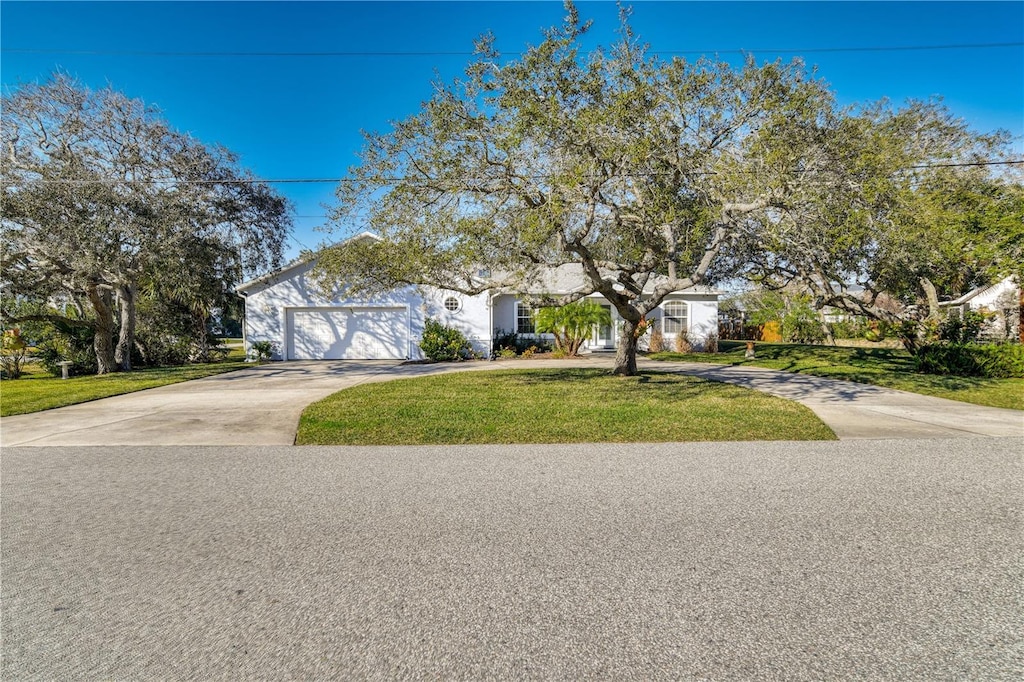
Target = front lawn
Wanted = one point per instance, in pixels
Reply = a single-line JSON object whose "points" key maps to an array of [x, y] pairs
{"points": [[39, 390], [888, 367], [552, 406]]}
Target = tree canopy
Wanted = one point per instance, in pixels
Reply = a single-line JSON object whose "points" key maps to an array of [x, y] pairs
{"points": [[652, 175], [102, 201]]}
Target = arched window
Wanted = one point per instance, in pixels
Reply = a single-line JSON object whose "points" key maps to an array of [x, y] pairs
{"points": [[676, 319]]}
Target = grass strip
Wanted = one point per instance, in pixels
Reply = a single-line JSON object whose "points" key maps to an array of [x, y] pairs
{"points": [[39, 390], [565, 405]]}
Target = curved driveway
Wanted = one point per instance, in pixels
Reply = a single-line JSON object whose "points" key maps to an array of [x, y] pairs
{"points": [[855, 410], [261, 405]]}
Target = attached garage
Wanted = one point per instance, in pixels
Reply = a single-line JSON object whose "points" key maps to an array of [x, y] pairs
{"points": [[347, 333]]}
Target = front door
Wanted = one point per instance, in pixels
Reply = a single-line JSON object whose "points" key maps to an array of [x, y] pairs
{"points": [[604, 334]]}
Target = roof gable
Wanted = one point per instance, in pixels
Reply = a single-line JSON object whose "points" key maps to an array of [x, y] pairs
{"points": [[287, 269]]}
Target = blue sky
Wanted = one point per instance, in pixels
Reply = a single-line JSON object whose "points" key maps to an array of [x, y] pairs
{"points": [[301, 116]]}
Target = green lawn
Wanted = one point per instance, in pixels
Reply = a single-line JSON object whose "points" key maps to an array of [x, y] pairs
{"points": [[552, 406], [38, 390], [889, 367]]}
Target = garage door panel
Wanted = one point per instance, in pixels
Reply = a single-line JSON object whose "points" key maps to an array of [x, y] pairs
{"points": [[348, 334]]}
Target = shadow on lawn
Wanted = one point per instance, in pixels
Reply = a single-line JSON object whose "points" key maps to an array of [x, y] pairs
{"points": [[665, 385]]}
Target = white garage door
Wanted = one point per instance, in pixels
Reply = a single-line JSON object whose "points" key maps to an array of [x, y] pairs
{"points": [[348, 334]]}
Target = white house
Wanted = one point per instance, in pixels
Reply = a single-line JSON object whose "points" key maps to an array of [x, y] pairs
{"points": [[1002, 300], [285, 308]]}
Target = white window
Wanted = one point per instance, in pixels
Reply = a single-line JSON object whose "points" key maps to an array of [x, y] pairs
{"points": [[452, 304], [524, 319], [675, 317]]}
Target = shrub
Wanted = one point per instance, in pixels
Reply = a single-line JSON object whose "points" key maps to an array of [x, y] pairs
{"points": [[876, 331], [504, 340], [516, 343], [961, 330], [444, 344], [711, 344], [530, 352], [572, 324], [69, 343], [657, 342], [263, 350], [854, 328], [159, 350], [682, 343], [993, 360], [13, 354]]}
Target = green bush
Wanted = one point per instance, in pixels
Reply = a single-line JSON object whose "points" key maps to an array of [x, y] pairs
{"points": [[961, 330], [14, 354], [160, 350], [517, 343], [262, 350], [71, 343], [571, 324], [504, 340], [444, 344], [993, 360], [854, 328]]}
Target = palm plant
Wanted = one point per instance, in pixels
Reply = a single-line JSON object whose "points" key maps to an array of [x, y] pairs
{"points": [[572, 324]]}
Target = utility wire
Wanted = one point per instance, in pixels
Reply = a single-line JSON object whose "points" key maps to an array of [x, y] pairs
{"points": [[292, 237], [274, 181], [463, 53]]}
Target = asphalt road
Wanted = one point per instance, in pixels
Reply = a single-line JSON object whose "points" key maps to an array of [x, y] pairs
{"points": [[875, 559]]}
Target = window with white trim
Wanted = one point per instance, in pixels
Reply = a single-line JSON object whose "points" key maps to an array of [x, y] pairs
{"points": [[524, 319], [675, 317], [452, 304]]}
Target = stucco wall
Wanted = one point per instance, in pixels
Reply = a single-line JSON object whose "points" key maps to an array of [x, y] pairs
{"points": [[267, 304], [702, 317], [472, 318]]}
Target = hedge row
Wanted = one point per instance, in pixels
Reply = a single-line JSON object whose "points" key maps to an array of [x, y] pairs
{"points": [[993, 360]]}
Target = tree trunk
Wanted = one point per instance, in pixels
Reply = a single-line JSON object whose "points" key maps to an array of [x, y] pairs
{"points": [[625, 353], [932, 297], [126, 339], [826, 329], [1020, 312], [199, 320], [103, 338]]}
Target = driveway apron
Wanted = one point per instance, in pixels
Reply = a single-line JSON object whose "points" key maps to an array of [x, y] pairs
{"points": [[855, 411], [256, 406]]}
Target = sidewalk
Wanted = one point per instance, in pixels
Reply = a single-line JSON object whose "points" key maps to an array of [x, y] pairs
{"points": [[856, 411]]}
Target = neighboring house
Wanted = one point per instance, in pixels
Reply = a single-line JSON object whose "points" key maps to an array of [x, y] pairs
{"points": [[1002, 300], [284, 308]]}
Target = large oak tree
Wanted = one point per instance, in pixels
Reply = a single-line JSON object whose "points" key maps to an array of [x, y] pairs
{"points": [[100, 196], [653, 176]]}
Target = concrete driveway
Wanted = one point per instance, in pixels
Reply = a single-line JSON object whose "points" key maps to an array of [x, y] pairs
{"points": [[256, 406], [855, 411], [261, 405]]}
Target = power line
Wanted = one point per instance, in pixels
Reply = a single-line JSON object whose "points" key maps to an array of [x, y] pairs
{"points": [[463, 53], [292, 237], [387, 179]]}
